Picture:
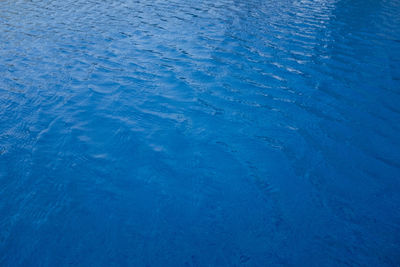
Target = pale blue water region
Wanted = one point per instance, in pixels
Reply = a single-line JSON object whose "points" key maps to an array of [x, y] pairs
{"points": [[200, 133]]}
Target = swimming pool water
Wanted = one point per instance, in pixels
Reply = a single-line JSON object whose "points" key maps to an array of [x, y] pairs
{"points": [[200, 133]]}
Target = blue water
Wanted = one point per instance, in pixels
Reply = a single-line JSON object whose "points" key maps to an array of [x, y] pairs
{"points": [[200, 133]]}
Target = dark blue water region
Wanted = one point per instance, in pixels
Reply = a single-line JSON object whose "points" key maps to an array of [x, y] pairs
{"points": [[200, 133]]}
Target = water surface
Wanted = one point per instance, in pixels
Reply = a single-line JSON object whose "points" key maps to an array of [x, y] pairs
{"points": [[200, 133]]}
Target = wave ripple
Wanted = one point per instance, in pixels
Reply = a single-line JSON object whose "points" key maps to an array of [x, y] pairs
{"points": [[199, 133]]}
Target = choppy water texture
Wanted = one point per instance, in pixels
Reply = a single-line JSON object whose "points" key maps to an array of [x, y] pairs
{"points": [[200, 133]]}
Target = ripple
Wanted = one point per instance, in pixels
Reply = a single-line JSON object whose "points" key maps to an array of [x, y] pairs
{"points": [[199, 132]]}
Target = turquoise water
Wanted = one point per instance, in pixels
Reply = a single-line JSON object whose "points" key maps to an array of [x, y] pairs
{"points": [[200, 133]]}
